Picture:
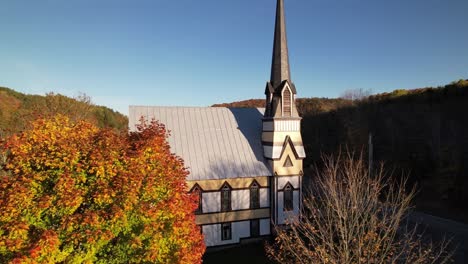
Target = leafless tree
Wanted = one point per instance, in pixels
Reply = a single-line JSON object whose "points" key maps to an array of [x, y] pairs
{"points": [[356, 94], [350, 216]]}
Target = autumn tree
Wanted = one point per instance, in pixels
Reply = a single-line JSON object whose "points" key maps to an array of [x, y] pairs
{"points": [[73, 193], [352, 217]]}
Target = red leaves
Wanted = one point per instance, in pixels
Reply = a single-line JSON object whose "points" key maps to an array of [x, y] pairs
{"points": [[97, 194]]}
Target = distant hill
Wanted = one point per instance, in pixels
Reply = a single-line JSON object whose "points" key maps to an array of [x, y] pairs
{"points": [[17, 109], [421, 132], [304, 105]]}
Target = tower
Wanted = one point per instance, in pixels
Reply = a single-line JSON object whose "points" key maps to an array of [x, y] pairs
{"points": [[281, 135]]}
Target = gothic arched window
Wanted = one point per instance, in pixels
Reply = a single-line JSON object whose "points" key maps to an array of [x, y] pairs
{"points": [[288, 197], [287, 102], [254, 195], [225, 198], [196, 190]]}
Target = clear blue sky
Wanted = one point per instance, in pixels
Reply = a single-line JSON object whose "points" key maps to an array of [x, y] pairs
{"points": [[186, 52]]}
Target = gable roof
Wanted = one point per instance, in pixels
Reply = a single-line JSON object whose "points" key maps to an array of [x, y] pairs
{"points": [[215, 142]]}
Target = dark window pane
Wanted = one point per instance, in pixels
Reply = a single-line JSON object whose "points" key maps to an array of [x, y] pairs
{"points": [[287, 103], [197, 191], [255, 228], [226, 232], [254, 196], [288, 197], [225, 199]]}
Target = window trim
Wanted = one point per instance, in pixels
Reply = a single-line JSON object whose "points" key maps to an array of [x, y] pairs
{"points": [[257, 229], [229, 228], [254, 187], [197, 188], [288, 197], [226, 206], [289, 114]]}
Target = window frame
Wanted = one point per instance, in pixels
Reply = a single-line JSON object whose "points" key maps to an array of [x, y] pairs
{"points": [[284, 105], [255, 228], [254, 189], [197, 189], [228, 227], [288, 197], [226, 202]]}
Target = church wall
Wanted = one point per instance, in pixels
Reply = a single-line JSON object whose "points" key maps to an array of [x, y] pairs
{"points": [[284, 215], [211, 202], [272, 151], [278, 165], [279, 137], [240, 230], [282, 125], [212, 233], [235, 183], [232, 216], [240, 199], [265, 227], [294, 180], [265, 197]]}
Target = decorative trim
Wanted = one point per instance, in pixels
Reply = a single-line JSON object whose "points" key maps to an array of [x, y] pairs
{"points": [[289, 175], [235, 183], [294, 189], [231, 216], [271, 144], [239, 189], [281, 118], [287, 141], [261, 218], [236, 211]]}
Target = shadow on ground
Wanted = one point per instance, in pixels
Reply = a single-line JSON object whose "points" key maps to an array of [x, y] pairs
{"points": [[253, 253]]}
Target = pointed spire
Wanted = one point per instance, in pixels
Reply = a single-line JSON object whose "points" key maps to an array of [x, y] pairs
{"points": [[280, 63]]}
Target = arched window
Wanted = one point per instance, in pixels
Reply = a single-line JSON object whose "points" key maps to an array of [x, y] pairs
{"points": [[196, 190], [287, 102], [254, 195], [288, 197], [225, 198]]}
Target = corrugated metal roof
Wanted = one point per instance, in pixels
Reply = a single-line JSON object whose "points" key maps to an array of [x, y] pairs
{"points": [[215, 142]]}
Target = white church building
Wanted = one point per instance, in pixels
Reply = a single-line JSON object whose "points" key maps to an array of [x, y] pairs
{"points": [[245, 163]]}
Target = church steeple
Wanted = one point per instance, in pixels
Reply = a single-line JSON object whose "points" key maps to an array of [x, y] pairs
{"points": [[280, 63], [280, 91], [281, 132]]}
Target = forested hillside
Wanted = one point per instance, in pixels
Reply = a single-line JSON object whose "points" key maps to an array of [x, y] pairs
{"points": [[422, 132], [18, 109]]}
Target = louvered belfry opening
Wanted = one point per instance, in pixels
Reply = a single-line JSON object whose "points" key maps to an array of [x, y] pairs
{"points": [[286, 102]]}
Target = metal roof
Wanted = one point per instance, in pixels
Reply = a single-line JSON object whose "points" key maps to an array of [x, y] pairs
{"points": [[215, 142]]}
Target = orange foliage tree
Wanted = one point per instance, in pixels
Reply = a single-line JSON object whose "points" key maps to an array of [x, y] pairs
{"points": [[71, 192]]}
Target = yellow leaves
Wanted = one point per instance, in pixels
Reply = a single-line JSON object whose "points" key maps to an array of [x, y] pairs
{"points": [[89, 186]]}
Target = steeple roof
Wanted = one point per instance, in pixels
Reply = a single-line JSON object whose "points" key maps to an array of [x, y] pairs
{"points": [[280, 63]]}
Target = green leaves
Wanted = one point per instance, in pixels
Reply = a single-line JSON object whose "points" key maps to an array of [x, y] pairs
{"points": [[76, 193]]}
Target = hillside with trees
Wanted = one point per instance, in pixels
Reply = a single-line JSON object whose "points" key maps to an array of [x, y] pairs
{"points": [[17, 110], [420, 132]]}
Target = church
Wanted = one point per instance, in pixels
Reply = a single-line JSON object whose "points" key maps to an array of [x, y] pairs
{"points": [[245, 164]]}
